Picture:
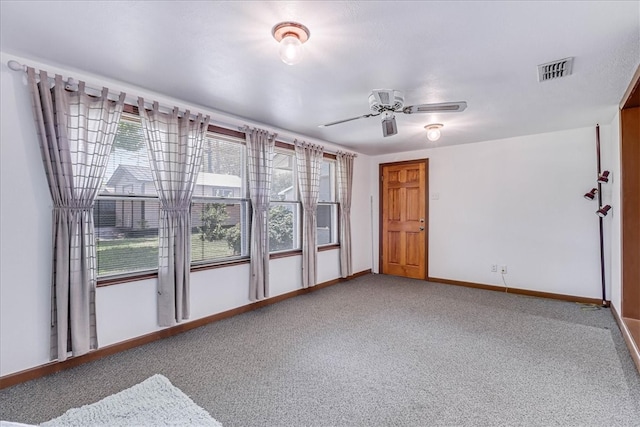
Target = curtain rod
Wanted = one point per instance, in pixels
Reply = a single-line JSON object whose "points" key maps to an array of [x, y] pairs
{"points": [[244, 128], [71, 85], [16, 66]]}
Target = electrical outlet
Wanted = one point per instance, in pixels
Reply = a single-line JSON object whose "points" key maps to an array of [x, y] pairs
{"points": [[503, 269], [494, 268]]}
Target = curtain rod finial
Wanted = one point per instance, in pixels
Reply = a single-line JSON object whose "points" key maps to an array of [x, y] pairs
{"points": [[16, 66]]}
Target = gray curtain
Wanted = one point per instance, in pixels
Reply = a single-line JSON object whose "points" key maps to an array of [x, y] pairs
{"points": [[76, 132], [260, 152], [309, 162], [174, 144], [344, 163]]}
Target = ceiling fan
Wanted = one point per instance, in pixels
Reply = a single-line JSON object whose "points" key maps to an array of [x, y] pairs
{"points": [[386, 102]]}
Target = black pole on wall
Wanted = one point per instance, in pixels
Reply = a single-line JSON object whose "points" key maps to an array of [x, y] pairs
{"points": [[600, 219]]}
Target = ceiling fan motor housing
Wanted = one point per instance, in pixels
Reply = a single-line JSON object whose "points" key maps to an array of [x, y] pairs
{"points": [[386, 100]]}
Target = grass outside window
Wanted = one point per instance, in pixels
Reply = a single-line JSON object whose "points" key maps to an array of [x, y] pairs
{"points": [[113, 255]]}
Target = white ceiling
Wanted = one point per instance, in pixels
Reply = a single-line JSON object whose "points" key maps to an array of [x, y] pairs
{"points": [[221, 55]]}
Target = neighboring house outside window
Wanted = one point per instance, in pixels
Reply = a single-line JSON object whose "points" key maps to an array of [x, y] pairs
{"points": [[220, 209], [126, 211]]}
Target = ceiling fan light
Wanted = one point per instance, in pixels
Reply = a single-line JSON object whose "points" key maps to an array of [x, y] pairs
{"points": [[389, 126], [291, 36], [433, 131], [291, 51]]}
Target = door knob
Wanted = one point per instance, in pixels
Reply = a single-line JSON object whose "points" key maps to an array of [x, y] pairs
{"points": [[421, 228]]}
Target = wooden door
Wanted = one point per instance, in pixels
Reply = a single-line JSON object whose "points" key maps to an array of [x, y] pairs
{"points": [[630, 168], [630, 210], [404, 225]]}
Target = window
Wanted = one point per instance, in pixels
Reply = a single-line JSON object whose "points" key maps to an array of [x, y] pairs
{"points": [[327, 233], [284, 212], [220, 208], [126, 211]]}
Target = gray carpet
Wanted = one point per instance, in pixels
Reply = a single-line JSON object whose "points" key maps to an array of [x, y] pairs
{"points": [[378, 351]]}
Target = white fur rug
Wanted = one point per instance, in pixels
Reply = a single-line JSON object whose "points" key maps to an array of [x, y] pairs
{"points": [[153, 402]]}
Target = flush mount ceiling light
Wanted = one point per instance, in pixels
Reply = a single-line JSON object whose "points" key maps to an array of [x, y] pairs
{"points": [[433, 131], [291, 36], [604, 177], [591, 194], [603, 211]]}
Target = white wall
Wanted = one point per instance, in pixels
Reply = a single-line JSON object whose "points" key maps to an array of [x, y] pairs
{"points": [[25, 233], [516, 202], [125, 310]]}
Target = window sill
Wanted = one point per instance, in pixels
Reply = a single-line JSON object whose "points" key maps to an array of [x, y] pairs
{"points": [[222, 264], [328, 247], [285, 254], [299, 251], [116, 280]]}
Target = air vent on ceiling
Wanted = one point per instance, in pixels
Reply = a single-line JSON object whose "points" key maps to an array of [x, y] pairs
{"points": [[555, 69]]}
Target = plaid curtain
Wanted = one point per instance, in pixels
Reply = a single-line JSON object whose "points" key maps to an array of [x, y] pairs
{"points": [[175, 144], [76, 132], [309, 162], [344, 163], [260, 152]]}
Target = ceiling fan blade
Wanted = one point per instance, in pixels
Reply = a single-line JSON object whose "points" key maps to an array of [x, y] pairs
{"points": [[347, 120], [444, 107]]}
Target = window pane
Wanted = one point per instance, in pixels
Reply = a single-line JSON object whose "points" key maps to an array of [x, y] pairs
{"points": [[128, 172], [283, 227], [126, 235], [327, 182], [222, 171], [327, 231], [282, 181], [219, 230]]}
